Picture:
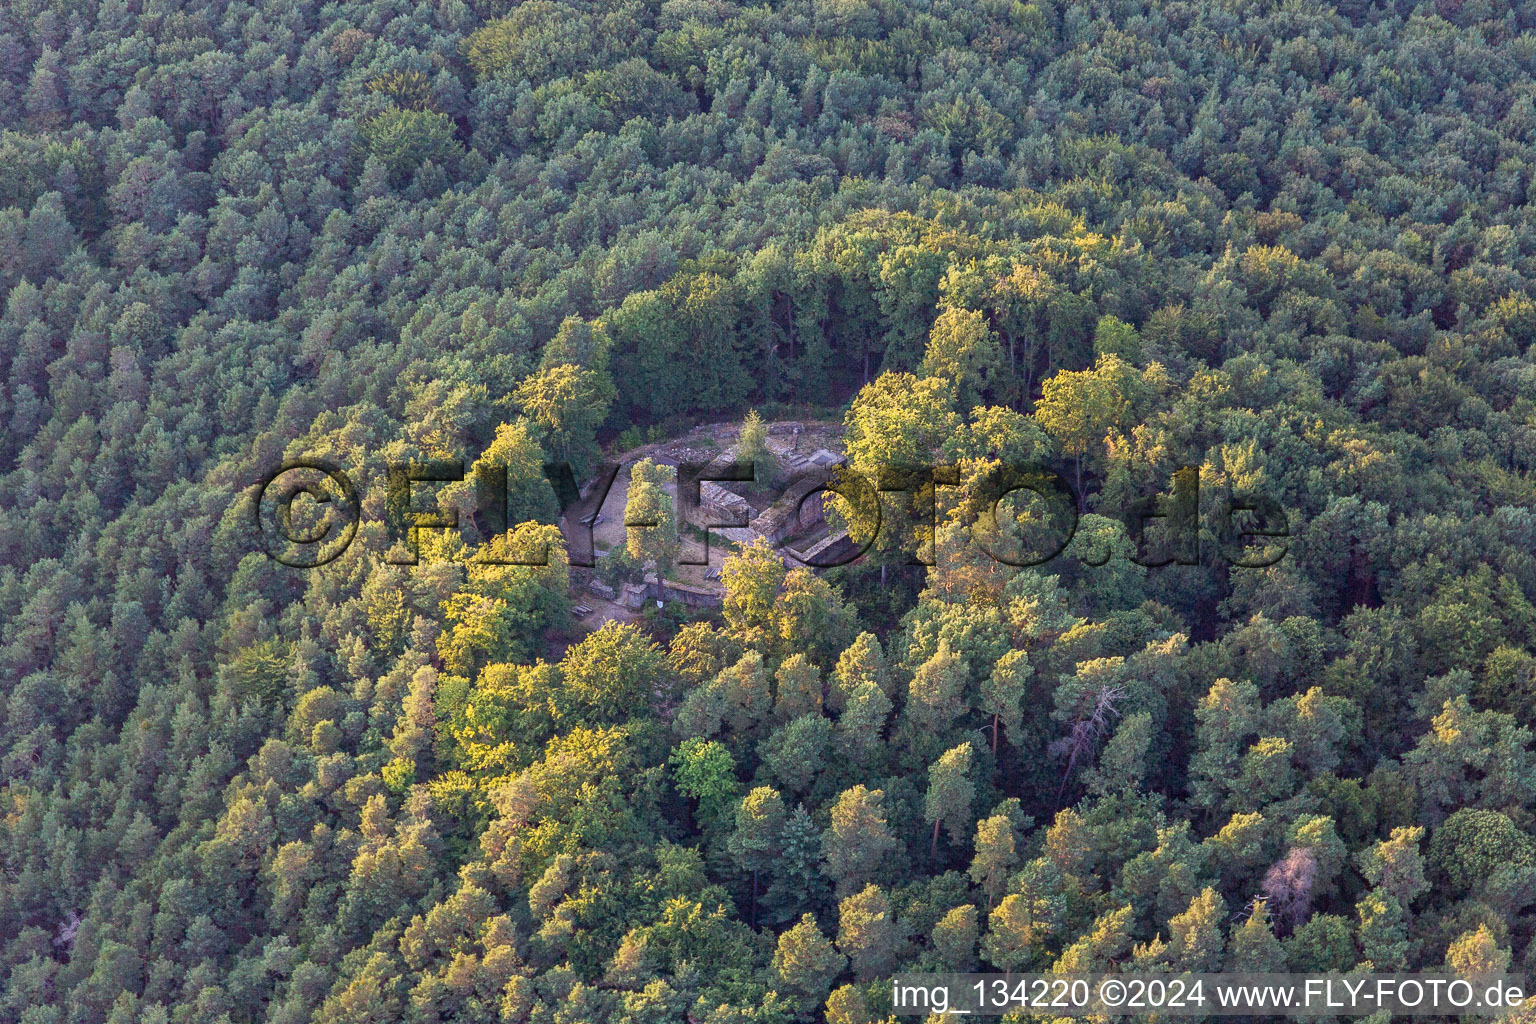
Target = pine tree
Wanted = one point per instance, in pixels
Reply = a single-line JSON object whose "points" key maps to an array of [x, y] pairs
{"points": [[1195, 936], [650, 521], [995, 855], [861, 726], [798, 881], [1003, 692], [936, 695], [44, 98], [954, 938], [752, 447], [806, 962], [857, 840], [1395, 865], [863, 661], [1104, 945], [1252, 947], [867, 933], [797, 754], [1475, 953], [799, 688], [1383, 931], [950, 790], [1122, 765], [760, 821]]}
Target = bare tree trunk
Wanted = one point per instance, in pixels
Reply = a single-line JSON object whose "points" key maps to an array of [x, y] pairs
{"points": [[1079, 732], [1089, 728], [933, 848]]}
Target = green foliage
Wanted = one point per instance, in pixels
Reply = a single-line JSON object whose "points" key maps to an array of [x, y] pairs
{"points": [[963, 350], [410, 90], [650, 517], [1474, 846], [806, 962], [611, 675], [404, 139], [569, 402], [1081, 410], [752, 446], [705, 772], [1287, 244]]}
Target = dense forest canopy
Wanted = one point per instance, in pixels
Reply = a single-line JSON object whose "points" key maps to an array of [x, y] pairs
{"points": [[1288, 244]]}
